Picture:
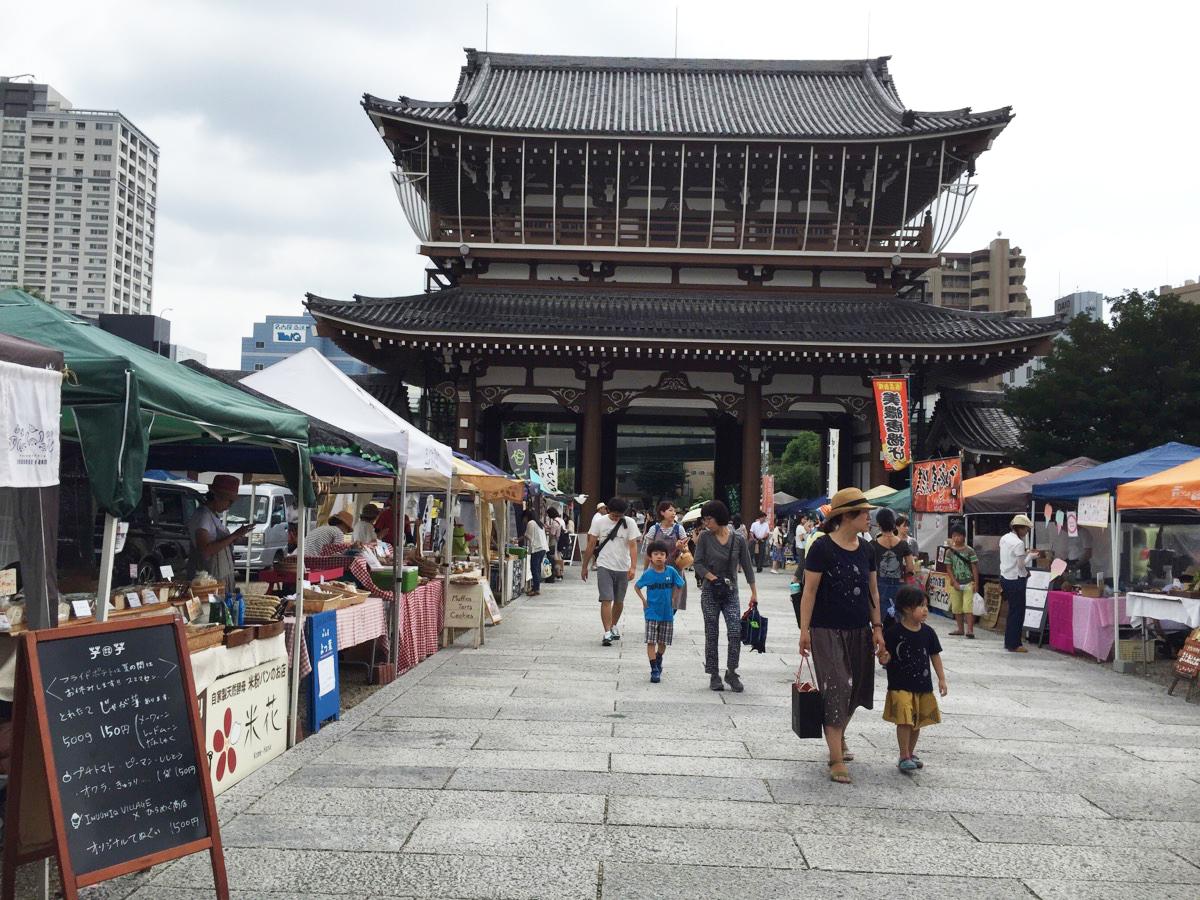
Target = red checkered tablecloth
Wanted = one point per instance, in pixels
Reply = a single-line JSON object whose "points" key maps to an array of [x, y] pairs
{"points": [[357, 624], [421, 615]]}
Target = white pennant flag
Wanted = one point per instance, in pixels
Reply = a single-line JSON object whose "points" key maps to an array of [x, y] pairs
{"points": [[547, 469]]}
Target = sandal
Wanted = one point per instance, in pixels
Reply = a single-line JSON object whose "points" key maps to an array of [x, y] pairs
{"points": [[838, 773], [847, 756], [956, 633], [971, 635]]}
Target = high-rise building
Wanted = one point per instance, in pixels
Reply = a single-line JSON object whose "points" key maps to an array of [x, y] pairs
{"points": [[1189, 291], [78, 191], [278, 337], [987, 280], [1080, 303]]}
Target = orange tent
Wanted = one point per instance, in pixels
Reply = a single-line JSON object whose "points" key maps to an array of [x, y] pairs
{"points": [[1175, 488], [981, 483]]}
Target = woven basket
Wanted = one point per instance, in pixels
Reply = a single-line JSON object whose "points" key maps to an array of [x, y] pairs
{"points": [[1134, 650]]}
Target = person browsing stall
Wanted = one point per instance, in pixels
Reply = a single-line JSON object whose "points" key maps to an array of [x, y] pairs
{"points": [[662, 584], [212, 542], [1015, 559]]}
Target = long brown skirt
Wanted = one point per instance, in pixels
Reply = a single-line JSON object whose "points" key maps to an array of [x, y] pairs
{"points": [[845, 665]]}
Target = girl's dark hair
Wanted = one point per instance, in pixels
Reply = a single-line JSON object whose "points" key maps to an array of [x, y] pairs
{"points": [[909, 597], [529, 515], [718, 510], [663, 506], [901, 520], [659, 547], [552, 513], [831, 523], [737, 521], [886, 520]]}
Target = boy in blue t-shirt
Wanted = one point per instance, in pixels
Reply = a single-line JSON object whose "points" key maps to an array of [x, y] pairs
{"points": [[662, 584]]}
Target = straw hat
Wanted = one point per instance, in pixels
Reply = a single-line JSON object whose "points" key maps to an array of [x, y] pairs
{"points": [[224, 486], [846, 500], [344, 519], [1020, 519]]}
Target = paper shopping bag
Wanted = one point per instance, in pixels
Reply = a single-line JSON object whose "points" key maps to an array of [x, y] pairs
{"points": [[808, 712]]}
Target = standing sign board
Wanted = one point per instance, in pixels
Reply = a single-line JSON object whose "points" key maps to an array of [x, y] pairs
{"points": [[1035, 604], [324, 694], [1187, 666], [107, 769], [245, 721], [464, 608], [939, 596]]}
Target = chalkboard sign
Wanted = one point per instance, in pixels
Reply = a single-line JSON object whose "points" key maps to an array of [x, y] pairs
{"points": [[106, 721]]}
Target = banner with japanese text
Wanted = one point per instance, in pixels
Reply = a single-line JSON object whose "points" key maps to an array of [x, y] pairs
{"points": [[891, 406], [768, 498], [547, 469], [518, 456], [937, 485]]}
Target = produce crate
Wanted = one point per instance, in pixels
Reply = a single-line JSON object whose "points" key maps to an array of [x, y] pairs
{"points": [[1135, 650]]}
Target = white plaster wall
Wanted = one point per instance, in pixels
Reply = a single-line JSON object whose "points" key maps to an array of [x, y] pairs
{"points": [[695, 275], [559, 273], [850, 385], [845, 279], [790, 278], [511, 271], [501, 375], [644, 274], [556, 378]]}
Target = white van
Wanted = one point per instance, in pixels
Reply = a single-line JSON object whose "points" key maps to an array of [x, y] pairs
{"points": [[274, 508]]}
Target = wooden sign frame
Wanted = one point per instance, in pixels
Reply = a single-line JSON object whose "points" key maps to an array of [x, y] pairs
{"points": [[32, 772], [477, 616], [1187, 666]]}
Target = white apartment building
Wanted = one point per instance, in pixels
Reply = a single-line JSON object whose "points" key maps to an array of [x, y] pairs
{"points": [[78, 191]]}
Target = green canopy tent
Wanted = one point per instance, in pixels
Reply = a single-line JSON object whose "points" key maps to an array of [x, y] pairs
{"points": [[119, 399], [900, 501]]}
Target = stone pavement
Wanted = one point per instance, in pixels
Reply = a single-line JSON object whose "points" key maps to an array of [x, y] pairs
{"points": [[545, 765]]}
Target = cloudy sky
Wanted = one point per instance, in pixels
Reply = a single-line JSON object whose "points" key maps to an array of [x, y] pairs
{"points": [[272, 181]]}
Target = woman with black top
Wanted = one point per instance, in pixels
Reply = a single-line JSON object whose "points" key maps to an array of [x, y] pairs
{"points": [[893, 563], [719, 552], [840, 621]]}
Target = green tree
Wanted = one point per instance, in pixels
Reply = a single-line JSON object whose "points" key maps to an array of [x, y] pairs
{"points": [[660, 477], [1109, 390], [798, 471]]}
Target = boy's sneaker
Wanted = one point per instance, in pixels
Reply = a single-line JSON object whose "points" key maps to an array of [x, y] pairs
{"points": [[908, 764], [734, 682], [917, 760], [658, 661], [714, 682], [655, 674], [616, 633], [607, 640]]}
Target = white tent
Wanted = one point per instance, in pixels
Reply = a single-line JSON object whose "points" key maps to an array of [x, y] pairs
{"points": [[310, 383]]}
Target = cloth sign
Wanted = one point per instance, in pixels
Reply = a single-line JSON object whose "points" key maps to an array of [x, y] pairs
{"points": [[30, 406]]}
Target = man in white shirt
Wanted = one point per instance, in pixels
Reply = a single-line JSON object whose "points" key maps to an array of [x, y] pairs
{"points": [[612, 549], [600, 515], [759, 532], [1014, 573]]}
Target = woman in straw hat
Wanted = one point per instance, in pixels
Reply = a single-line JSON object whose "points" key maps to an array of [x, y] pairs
{"points": [[840, 620]]}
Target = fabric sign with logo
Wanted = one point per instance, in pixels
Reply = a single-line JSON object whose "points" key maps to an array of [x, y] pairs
{"points": [[547, 469], [30, 405], [937, 485], [1093, 511], [891, 406], [518, 456]]}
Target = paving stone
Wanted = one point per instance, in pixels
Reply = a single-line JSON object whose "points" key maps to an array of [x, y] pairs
{"points": [[610, 784], [1022, 829], [621, 843], [676, 812], [370, 776], [376, 802], [401, 874], [479, 727], [348, 832], [997, 860], [417, 707], [510, 806], [1048, 889], [646, 746], [636, 881], [662, 727]]}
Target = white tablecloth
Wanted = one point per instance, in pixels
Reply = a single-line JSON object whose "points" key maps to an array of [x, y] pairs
{"points": [[1161, 606]]}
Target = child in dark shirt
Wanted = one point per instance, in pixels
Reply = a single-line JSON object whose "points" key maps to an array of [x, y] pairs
{"points": [[912, 646], [661, 582]]}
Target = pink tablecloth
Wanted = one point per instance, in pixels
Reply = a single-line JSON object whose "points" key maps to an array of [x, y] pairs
{"points": [[1082, 623], [356, 625], [1060, 609], [421, 615]]}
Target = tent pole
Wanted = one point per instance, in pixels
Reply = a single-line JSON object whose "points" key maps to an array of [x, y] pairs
{"points": [[397, 557], [448, 527], [1114, 562], [108, 550], [298, 627], [250, 536]]}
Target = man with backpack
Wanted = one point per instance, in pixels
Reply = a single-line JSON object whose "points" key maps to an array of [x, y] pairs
{"points": [[612, 551]]}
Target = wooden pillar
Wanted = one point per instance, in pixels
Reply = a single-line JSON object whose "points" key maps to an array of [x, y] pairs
{"points": [[726, 455], [751, 450], [589, 452]]}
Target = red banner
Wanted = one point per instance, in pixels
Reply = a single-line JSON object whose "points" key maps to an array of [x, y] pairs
{"points": [[937, 485], [891, 407], [768, 498]]}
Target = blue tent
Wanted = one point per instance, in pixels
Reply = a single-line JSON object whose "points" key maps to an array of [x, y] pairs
{"points": [[799, 506], [1104, 478]]}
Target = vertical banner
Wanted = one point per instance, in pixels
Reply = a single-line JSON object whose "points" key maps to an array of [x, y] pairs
{"points": [[891, 407], [937, 485], [831, 483], [547, 469], [518, 456], [768, 498]]}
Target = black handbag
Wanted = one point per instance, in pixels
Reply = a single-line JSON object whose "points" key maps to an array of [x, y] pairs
{"points": [[754, 629], [808, 711]]}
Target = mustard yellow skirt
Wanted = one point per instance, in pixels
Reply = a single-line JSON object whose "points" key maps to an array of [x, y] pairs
{"points": [[907, 708]]}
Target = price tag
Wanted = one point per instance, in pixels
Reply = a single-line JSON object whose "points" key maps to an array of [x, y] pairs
{"points": [[149, 597], [8, 582], [81, 608], [133, 570], [166, 572], [132, 600]]}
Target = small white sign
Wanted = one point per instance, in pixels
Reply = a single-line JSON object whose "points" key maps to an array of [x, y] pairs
{"points": [[132, 600], [1093, 511], [81, 608], [1033, 619], [122, 534], [133, 570], [149, 597], [166, 572], [8, 582], [326, 674]]}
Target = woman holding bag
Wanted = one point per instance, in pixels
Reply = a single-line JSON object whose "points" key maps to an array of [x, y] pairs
{"points": [[672, 533], [840, 621], [720, 551]]}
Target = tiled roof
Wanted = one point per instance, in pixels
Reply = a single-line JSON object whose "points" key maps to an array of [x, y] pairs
{"points": [[612, 313], [693, 98], [974, 421]]}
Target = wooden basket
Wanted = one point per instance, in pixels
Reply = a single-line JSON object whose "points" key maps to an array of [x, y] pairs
{"points": [[236, 637], [201, 637], [268, 630]]}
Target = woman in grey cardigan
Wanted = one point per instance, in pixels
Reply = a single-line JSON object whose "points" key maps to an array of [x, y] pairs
{"points": [[720, 551]]}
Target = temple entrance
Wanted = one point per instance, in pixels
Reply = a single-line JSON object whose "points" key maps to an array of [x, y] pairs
{"points": [[658, 462]]}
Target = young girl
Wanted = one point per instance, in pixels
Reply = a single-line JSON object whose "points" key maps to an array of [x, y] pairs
{"points": [[912, 646]]}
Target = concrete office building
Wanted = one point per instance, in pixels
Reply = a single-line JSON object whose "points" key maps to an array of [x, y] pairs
{"points": [[1079, 303], [987, 280], [1188, 291], [78, 191], [280, 336]]}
